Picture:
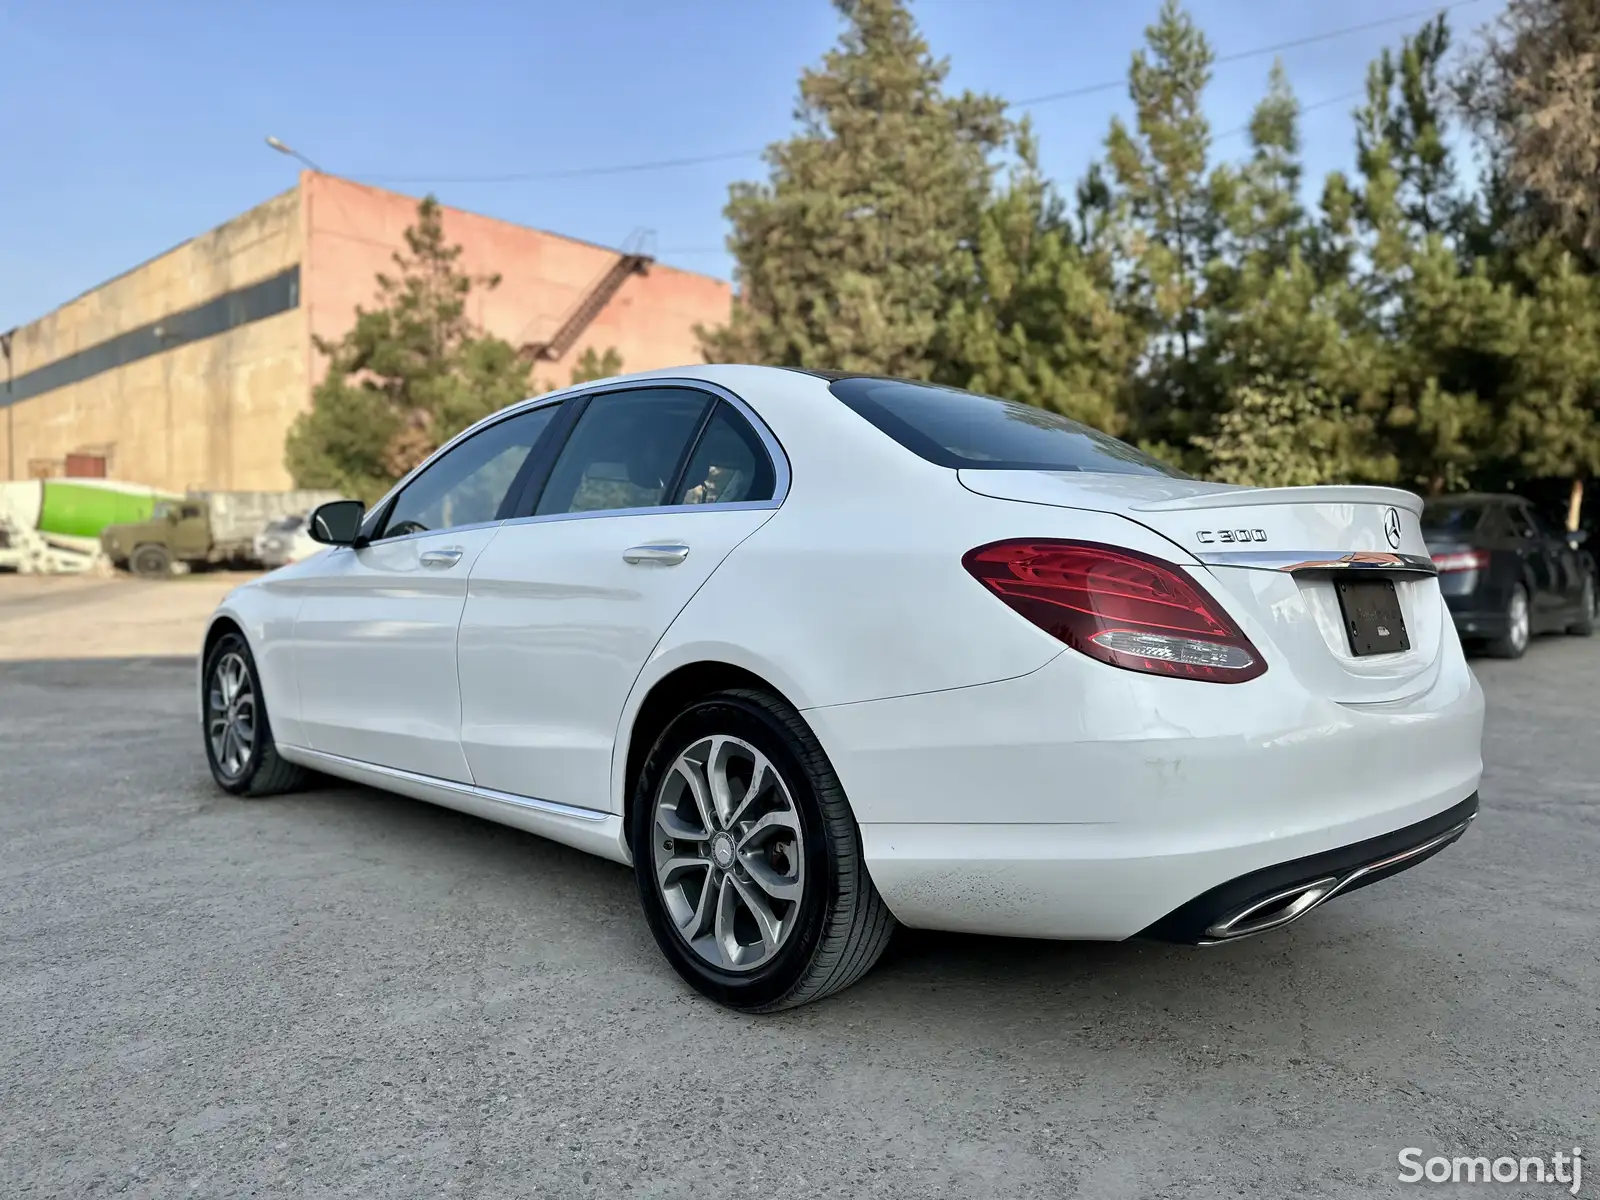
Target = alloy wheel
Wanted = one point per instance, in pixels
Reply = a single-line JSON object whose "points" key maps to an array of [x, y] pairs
{"points": [[729, 853], [231, 715], [1519, 622]]}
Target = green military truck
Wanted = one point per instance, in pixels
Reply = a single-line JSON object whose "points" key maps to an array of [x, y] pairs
{"points": [[202, 529]]}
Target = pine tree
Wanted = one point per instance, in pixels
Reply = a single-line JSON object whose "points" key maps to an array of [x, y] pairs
{"points": [[1164, 214], [591, 365], [1293, 435], [1041, 325], [409, 374], [852, 254], [1442, 325]]}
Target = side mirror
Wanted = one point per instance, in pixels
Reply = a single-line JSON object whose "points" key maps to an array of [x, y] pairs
{"points": [[337, 523]]}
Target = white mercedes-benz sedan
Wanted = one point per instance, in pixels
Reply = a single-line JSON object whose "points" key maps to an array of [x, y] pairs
{"points": [[822, 653]]}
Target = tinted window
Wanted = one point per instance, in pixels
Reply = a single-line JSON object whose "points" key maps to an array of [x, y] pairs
{"points": [[1443, 517], [962, 429], [729, 464], [625, 451], [1535, 522], [469, 485]]}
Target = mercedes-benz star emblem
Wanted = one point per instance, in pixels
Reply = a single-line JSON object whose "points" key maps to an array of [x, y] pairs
{"points": [[1391, 528]]}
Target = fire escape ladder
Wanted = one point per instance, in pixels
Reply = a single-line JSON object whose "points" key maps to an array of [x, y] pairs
{"points": [[588, 307]]}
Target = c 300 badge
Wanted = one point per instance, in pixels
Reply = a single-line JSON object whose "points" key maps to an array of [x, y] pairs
{"points": [[1209, 536]]}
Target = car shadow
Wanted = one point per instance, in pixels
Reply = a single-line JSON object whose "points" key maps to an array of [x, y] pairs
{"points": [[1334, 966]]}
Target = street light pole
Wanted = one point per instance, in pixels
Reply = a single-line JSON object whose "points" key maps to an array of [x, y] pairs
{"points": [[283, 148]]}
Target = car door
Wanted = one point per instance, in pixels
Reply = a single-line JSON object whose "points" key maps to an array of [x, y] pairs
{"points": [[375, 638], [1565, 570], [653, 488], [1543, 566]]}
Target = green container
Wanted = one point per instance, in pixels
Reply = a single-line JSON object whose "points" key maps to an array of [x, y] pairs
{"points": [[82, 509]]}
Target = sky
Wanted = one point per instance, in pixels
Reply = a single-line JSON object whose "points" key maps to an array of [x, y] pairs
{"points": [[132, 125]]}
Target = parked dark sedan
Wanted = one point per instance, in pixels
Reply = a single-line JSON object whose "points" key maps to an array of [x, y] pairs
{"points": [[1505, 575]]}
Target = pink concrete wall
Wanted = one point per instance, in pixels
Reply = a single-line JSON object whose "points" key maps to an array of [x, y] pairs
{"points": [[352, 229]]}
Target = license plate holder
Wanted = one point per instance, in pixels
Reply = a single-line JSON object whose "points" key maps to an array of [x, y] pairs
{"points": [[1372, 618]]}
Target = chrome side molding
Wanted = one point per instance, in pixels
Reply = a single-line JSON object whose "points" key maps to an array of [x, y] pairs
{"points": [[1302, 561]]}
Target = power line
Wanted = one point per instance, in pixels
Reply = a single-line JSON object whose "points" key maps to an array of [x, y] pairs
{"points": [[1303, 109], [1048, 98], [1342, 97], [1257, 52]]}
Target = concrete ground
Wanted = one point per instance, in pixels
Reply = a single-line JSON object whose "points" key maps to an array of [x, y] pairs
{"points": [[93, 616], [342, 993]]}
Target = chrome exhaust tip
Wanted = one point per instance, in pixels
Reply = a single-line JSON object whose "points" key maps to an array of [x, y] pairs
{"points": [[1275, 910], [1290, 904]]}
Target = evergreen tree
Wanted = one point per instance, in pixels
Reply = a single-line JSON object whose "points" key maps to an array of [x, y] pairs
{"points": [[853, 253], [409, 374], [1292, 435], [1165, 219], [1041, 324], [591, 365]]}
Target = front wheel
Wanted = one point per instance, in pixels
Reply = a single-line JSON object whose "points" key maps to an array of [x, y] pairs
{"points": [[244, 759], [151, 562], [1519, 627], [749, 860]]}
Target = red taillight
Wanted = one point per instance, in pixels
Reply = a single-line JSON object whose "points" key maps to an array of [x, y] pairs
{"points": [[1461, 560], [1124, 608]]}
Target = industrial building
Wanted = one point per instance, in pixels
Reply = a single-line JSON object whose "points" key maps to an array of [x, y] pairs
{"points": [[186, 372]]}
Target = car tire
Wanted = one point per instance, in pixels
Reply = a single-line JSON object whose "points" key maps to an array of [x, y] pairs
{"points": [[151, 562], [236, 728], [1519, 626], [1584, 625], [704, 866]]}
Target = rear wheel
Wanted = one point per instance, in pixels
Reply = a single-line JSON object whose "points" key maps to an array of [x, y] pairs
{"points": [[243, 757], [1519, 627], [151, 562], [1584, 625], [748, 858]]}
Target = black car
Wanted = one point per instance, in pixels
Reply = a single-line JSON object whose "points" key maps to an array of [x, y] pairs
{"points": [[1504, 575]]}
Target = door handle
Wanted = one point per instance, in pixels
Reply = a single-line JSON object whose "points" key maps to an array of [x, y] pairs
{"points": [[441, 558], [668, 554]]}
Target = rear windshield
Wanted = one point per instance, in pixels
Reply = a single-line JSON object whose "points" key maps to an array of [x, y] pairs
{"points": [[1452, 518], [963, 429]]}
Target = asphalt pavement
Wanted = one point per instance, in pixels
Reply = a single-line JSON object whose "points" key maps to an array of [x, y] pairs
{"points": [[344, 993]]}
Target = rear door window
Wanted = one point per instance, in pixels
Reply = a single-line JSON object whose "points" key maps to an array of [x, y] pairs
{"points": [[958, 429], [625, 451], [729, 465]]}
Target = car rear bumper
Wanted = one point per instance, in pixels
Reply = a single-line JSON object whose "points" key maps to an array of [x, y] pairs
{"points": [[1279, 895], [1084, 802]]}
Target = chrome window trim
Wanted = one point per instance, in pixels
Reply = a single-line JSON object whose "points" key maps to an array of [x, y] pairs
{"points": [[1296, 562], [553, 807], [781, 474], [653, 510]]}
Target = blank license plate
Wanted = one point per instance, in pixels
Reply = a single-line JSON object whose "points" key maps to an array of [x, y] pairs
{"points": [[1372, 617]]}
